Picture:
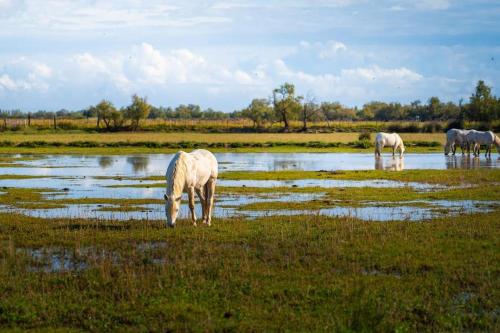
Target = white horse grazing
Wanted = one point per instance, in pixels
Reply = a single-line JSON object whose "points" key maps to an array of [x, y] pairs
{"points": [[455, 137], [478, 138], [191, 172], [385, 139]]}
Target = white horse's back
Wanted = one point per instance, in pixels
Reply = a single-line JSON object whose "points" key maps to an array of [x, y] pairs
{"points": [[206, 163]]}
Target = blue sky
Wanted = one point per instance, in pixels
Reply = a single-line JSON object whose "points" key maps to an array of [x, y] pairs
{"points": [[70, 54]]}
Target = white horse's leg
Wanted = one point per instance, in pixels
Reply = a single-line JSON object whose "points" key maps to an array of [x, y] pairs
{"points": [[210, 186], [393, 150], [203, 200], [191, 204]]}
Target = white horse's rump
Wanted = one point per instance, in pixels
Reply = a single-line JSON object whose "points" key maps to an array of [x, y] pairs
{"points": [[478, 138], [392, 140], [455, 137], [191, 172]]}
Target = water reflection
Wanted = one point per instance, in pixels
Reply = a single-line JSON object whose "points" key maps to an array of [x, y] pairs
{"points": [[393, 164], [468, 162], [139, 162], [156, 164], [105, 161]]}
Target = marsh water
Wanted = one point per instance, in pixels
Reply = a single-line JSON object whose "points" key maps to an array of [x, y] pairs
{"points": [[119, 177], [155, 164]]}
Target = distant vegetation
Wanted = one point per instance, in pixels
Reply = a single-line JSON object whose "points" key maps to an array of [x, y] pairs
{"points": [[283, 111]]}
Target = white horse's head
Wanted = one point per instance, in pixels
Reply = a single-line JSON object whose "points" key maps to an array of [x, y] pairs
{"points": [[497, 143], [172, 206], [447, 148]]}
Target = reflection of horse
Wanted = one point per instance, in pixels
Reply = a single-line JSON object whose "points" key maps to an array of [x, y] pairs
{"points": [[453, 137], [138, 162], [191, 172], [397, 164], [466, 162], [105, 161], [388, 139], [478, 138]]}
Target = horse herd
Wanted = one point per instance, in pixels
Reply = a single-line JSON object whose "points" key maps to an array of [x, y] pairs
{"points": [[463, 138], [197, 172]]}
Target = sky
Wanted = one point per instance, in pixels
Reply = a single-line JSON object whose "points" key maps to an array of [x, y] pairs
{"points": [[70, 54]]}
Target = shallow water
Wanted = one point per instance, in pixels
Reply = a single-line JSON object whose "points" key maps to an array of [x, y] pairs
{"points": [[74, 177], [228, 206], [156, 164]]}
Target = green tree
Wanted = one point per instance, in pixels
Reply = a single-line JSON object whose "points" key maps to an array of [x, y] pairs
{"points": [[483, 105], [258, 111], [286, 104], [309, 111], [139, 109], [108, 114], [188, 111], [434, 109]]}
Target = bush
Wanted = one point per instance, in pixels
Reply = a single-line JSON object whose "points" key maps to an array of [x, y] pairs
{"points": [[364, 144], [364, 136], [456, 123]]}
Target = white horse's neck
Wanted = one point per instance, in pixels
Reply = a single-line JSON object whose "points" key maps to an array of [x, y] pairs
{"points": [[177, 179]]}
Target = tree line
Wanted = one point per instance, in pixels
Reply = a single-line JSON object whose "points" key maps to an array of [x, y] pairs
{"points": [[284, 106]]}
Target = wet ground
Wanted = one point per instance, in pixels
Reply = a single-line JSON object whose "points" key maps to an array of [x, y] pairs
{"points": [[97, 177]]}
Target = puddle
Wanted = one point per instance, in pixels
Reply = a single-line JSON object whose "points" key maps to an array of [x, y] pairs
{"points": [[329, 183], [228, 206], [54, 259]]}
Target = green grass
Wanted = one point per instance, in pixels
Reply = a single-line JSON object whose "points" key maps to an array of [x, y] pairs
{"points": [[444, 177], [304, 273]]}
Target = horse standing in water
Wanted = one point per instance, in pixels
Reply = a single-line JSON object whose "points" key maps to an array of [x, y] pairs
{"points": [[191, 172], [453, 137], [478, 138], [393, 140]]}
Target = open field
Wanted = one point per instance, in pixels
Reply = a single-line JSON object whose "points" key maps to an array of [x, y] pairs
{"points": [[305, 273], [66, 137], [101, 259], [156, 142]]}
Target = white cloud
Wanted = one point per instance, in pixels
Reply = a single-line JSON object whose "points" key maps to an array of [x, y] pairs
{"points": [[351, 84], [331, 48], [25, 74], [394, 75], [432, 4], [75, 16], [147, 67]]}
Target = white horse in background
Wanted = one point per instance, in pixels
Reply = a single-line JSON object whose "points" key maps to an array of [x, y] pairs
{"points": [[191, 172], [456, 137], [385, 139], [478, 138]]}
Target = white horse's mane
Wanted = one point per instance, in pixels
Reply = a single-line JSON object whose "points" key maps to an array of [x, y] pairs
{"points": [[176, 178]]}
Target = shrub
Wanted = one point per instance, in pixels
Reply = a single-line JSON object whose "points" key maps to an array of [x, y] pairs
{"points": [[364, 136]]}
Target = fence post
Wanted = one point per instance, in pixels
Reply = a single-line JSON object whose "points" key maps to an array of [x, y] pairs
{"points": [[55, 123], [29, 119]]}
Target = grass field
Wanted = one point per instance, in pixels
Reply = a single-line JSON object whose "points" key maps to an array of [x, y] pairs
{"points": [[204, 137], [305, 273], [156, 142]]}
